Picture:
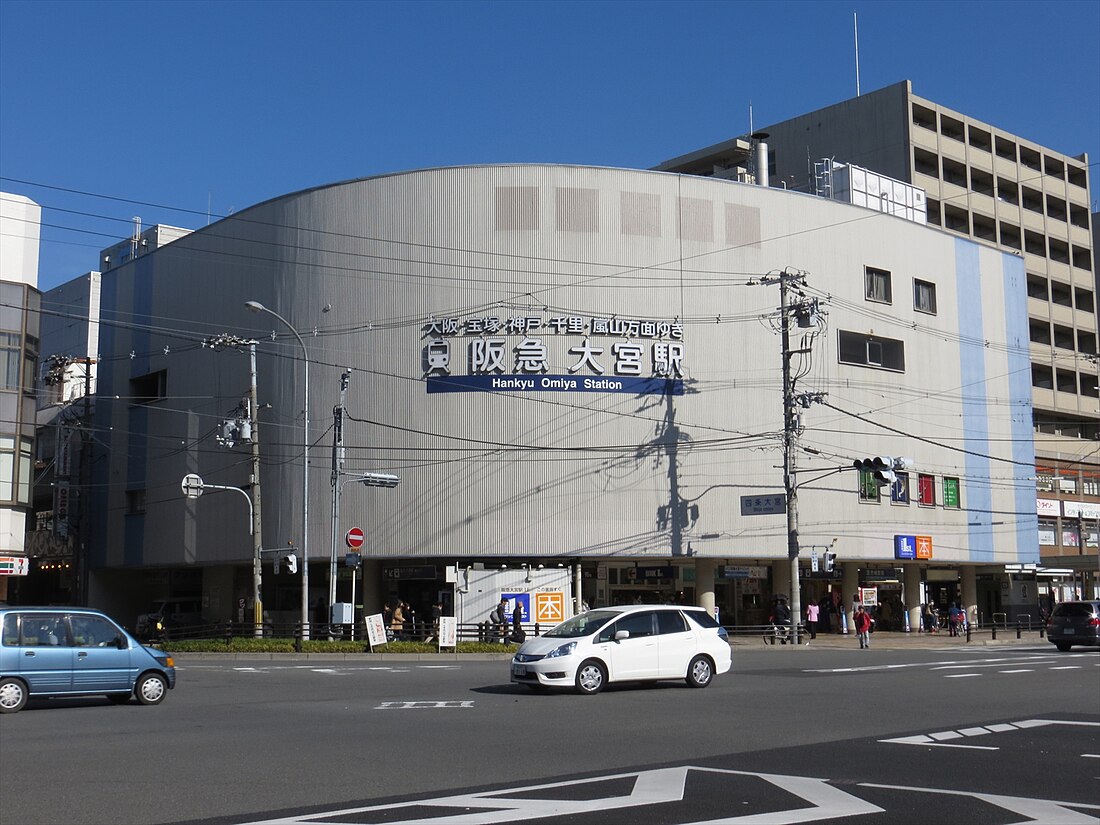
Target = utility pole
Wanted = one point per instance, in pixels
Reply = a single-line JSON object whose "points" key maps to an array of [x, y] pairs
{"points": [[790, 445], [337, 469], [250, 434], [805, 312]]}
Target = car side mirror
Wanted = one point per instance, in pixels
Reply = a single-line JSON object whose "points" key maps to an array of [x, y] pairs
{"points": [[621, 634]]}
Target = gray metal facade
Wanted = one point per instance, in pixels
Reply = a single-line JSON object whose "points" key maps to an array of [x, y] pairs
{"points": [[372, 272]]}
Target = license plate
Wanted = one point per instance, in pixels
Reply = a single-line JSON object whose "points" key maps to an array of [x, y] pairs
{"points": [[1069, 631], [519, 670]]}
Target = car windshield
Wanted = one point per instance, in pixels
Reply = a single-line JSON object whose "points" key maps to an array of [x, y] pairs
{"points": [[583, 625]]}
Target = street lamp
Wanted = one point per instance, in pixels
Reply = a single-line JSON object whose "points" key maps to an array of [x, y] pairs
{"points": [[367, 480], [256, 306]]}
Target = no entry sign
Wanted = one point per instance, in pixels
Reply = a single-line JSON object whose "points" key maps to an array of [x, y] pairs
{"points": [[354, 538]]}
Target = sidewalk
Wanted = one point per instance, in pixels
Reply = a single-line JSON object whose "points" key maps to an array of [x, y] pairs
{"points": [[893, 640]]}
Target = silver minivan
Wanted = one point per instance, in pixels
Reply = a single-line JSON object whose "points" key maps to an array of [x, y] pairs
{"points": [[60, 651]]}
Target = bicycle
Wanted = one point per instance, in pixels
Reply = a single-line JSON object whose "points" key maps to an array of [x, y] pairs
{"points": [[778, 634]]}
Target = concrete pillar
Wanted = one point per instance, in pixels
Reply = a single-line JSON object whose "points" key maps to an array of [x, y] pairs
{"points": [[849, 590], [970, 593], [911, 595], [704, 583]]}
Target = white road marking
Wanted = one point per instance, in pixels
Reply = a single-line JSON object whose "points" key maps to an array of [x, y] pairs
{"points": [[937, 739], [459, 703], [1026, 670], [1067, 667], [1091, 755], [960, 675], [656, 787], [1048, 811]]}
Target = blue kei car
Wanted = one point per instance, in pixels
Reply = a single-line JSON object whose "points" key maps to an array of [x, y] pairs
{"points": [[61, 651]]}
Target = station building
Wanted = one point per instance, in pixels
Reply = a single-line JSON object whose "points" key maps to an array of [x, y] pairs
{"points": [[565, 366]]}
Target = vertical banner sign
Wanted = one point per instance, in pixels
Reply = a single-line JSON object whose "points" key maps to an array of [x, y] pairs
{"points": [[376, 630], [448, 631], [924, 547]]}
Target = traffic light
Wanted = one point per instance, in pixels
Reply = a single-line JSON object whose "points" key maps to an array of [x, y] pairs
{"points": [[830, 562], [880, 468], [291, 563]]}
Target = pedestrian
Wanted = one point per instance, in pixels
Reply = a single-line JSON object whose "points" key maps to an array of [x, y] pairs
{"points": [[929, 619], [499, 618], [863, 627], [397, 620], [437, 611], [812, 613], [518, 633], [954, 621]]}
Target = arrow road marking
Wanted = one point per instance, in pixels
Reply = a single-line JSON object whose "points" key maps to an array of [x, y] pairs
{"points": [[1047, 811], [650, 788]]}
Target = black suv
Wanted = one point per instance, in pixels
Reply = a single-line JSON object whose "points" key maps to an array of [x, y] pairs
{"points": [[1074, 623]]}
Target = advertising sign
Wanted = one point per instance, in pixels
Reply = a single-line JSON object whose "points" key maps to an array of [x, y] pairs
{"points": [[376, 630], [14, 565], [523, 600], [924, 547], [868, 596], [448, 631], [905, 547], [550, 607]]}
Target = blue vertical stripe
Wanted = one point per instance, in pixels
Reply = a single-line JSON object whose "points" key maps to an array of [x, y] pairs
{"points": [[1023, 434], [976, 492]]}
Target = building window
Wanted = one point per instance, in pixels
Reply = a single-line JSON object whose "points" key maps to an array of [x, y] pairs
{"points": [[11, 355], [135, 502], [877, 285], [924, 296], [1090, 483], [149, 388], [871, 351], [1071, 534], [899, 490], [926, 490], [951, 493], [868, 487], [1047, 531]]}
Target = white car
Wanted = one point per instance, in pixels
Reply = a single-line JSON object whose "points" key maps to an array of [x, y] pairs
{"points": [[625, 644]]}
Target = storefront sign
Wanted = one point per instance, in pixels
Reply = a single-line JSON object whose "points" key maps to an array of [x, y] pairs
{"points": [[924, 547], [880, 574], [905, 547], [421, 571], [1046, 507], [642, 358], [868, 596], [1081, 509], [732, 571], [651, 573], [14, 565]]}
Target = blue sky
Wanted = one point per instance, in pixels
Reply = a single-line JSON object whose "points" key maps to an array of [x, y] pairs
{"points": [[146, 109]]}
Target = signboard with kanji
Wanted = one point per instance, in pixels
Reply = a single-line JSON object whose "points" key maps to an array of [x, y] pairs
{"points": [[448, 631], [550, 607], [924, 547], [765, 504], [376, 630]]}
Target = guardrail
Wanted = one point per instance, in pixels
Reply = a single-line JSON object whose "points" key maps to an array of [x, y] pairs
{"points": [[320, 631]]}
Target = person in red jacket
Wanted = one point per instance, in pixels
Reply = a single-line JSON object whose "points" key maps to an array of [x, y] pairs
{"points": [[863, 627]]}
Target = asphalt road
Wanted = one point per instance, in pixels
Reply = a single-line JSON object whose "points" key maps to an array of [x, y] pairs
{"points": [[983, 735]]}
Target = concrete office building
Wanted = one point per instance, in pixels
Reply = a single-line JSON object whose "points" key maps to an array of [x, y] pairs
{"points": [[565, 366], [20, 218], [1004, 191]]}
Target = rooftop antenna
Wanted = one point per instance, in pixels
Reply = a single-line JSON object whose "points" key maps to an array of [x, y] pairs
{"points": [[855, 29]]}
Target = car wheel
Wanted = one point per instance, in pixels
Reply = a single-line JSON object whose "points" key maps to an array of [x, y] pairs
{"points": [[150, 689], [119, 698], [591, 677], [1063, 646], [700, 672], [13, 695]]}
